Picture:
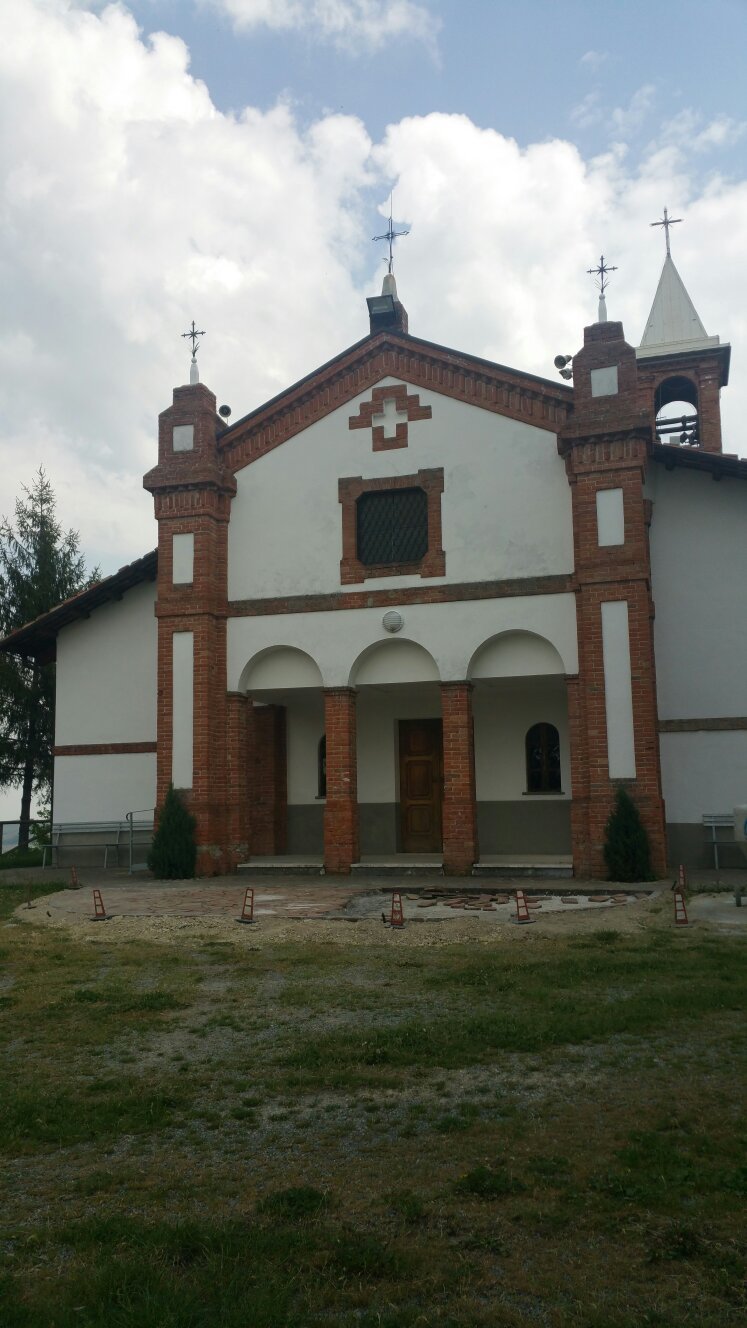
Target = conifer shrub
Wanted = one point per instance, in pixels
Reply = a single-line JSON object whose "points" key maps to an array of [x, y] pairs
{"points": [[173, 853], [627, 852]]}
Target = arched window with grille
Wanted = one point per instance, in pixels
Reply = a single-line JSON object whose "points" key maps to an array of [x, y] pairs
{"points": [[322, 767], [543, 759]]}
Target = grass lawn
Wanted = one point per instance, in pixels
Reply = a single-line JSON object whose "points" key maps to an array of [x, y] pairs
{"points": [[215, 1136]]}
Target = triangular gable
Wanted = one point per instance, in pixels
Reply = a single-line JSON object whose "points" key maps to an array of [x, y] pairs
{"points": [[423, 364]]}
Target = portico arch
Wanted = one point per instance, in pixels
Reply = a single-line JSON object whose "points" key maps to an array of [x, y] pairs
{"points": [[280, 667], [394, 662], [519, 682], [515, 654]]}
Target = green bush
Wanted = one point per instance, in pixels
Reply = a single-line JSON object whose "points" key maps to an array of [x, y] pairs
{"points": [[173, 853], [626, 848]]}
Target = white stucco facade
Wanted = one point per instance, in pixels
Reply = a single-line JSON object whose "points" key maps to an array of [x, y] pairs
{"points": [[450, 634], [702, 774], [699, 575], [506, 504], [106, 673], [104, 788]]}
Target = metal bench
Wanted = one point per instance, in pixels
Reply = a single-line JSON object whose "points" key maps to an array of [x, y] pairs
{"points": [[88, 835], [714, 823]]}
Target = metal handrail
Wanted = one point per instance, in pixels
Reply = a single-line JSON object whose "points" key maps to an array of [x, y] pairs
{"points": [[130, 816]]}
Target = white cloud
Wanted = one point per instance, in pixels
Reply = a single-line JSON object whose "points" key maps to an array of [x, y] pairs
{"points": [[593, 59], [132, 205], [353, 25], [588, 112], [689, 130], [625, 120]]}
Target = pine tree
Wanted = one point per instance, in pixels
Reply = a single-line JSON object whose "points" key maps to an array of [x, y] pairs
{"points": [[173, 853], [626, 848], [40, 566]]}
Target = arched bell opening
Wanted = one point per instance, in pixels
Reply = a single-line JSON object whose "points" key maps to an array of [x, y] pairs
{"points": [[676, 410]]}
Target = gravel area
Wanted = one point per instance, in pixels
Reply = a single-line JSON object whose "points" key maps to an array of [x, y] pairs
{"points": [[360, 923]]}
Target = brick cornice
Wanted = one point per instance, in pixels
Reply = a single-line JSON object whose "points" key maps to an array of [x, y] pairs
{"points": [[103, 748], [721, 724], [422, 364], [559, 584]]}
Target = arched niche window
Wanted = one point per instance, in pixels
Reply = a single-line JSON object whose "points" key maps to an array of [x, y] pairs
{"points": [[321, 759], [543, 759], [676, 410]]}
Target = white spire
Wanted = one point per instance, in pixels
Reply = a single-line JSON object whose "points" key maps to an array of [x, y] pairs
{"points": [[389, 285], [602, 310], [673, 323], [194, 373]]}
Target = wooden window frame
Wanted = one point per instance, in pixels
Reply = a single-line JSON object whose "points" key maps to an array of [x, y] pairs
{"points": [[433, 562]]}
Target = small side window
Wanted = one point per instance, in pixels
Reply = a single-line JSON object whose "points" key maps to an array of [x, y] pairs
{"points": [[543, 759]]}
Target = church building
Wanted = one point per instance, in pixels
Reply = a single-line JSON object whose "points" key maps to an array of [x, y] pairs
{"points": [[425, 608]]}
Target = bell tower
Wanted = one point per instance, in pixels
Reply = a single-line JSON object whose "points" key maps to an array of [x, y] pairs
{"points": [[681, 369]]}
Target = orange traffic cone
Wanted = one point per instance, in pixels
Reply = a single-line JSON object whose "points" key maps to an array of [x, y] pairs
{"points": [[397, 918]]}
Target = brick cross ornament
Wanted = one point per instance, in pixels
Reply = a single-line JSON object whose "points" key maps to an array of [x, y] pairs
{"points": [[387, 415]]}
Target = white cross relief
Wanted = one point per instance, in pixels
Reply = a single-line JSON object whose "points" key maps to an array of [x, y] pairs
{"points": [[390, 417]]}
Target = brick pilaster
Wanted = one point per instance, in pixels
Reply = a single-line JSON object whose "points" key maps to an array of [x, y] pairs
{"points": [[341, 843], [192, 494], [606, 445], [460, 847]]}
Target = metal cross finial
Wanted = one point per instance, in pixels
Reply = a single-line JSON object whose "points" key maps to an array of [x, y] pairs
{"points": [[666, 223], [194, 335], [601, 273], [391, 235]]}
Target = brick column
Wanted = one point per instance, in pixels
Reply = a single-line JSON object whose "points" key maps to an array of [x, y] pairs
{"points": [[269, 817], [238, 722], [579, 751], [341, 844], [461, 849]]}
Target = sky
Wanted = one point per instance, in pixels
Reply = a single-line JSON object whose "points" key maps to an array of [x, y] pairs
{"points": [[228, 161]]}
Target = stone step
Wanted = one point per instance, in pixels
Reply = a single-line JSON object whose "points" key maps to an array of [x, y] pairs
{"points": [[509, 871], [278, 868], [395, 869]]}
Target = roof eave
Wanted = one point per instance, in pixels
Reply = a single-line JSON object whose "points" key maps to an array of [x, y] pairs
{"points": [[37, 639]]}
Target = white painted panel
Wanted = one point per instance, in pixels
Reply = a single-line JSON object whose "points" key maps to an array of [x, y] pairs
{"points": [[604, 381], [618, 693], [183, 437], [699, 574], [183, 709], [703, 773], [610, 517], [106, 673], [504, 712], [451, 633], [506, 505], [183, 559], [304, 728], [103, 788]]}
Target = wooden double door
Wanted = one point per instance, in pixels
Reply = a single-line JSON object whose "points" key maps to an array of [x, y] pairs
{"points": [[420, 785]]}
